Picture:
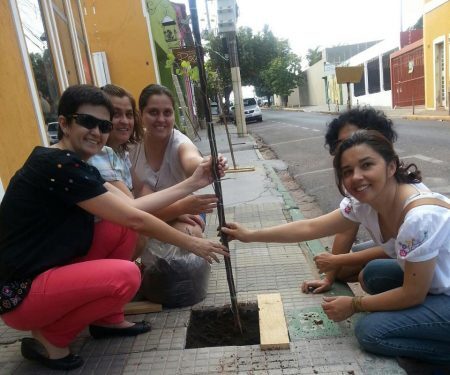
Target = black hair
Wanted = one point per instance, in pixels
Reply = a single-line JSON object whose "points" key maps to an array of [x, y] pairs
{"points": [[364, 118], [382, 146], [77, 95], [154, 89]]}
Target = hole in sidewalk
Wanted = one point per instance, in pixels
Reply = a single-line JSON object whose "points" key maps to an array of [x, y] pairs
{"points": [[216, 327]]}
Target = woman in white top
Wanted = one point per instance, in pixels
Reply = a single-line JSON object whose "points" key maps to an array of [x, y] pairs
{"points": [[165, 158], [412, 318]]}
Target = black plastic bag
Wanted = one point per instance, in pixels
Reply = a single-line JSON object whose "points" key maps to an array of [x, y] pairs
{"points": [[172, 276]]}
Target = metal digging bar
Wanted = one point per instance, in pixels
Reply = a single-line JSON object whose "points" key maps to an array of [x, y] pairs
{"points": [[214, 156], [222, 223]]}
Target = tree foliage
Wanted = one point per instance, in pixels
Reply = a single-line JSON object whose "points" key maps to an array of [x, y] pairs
{"points": [[260, 56], [313, 55], [283, 75]]}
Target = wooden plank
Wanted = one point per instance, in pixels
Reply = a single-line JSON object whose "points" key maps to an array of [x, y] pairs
{"points": [[241, 169], [142, 307], [272, 323]]}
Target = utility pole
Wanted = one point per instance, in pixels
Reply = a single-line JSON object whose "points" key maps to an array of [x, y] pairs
{"points": [[208, 21], [226, 20]]}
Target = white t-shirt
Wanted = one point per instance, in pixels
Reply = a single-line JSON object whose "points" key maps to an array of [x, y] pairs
{"points": [[424, 235], [171, 171]]}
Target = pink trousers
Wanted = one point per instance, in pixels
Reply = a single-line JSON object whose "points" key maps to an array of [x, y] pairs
{"points": [[93, 290]]}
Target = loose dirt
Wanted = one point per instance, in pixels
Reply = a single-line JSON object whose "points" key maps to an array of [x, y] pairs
{"points": [[216, 327]]}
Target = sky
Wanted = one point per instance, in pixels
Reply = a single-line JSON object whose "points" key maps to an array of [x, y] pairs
{"points": [[325, 23]]}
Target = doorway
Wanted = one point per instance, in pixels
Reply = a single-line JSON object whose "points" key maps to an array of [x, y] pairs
{"points": [[439, 69]]}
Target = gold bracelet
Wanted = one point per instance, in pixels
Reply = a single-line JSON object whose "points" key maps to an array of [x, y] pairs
{"points": [[357, 304], [353, 305]]}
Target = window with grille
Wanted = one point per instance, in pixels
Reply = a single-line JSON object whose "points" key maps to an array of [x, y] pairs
{"points": [[373, 75], [360, 87]]}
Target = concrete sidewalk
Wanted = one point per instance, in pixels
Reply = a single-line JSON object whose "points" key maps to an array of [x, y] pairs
{"points": [[408, 113], [317, 345]]}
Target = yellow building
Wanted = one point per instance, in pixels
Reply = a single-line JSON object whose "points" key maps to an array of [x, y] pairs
{"points": [[436, 39], [120, 39], [44, 48]]}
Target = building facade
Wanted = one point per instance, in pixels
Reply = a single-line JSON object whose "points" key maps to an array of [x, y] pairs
{"points": [[120, 39], [436, 41], [407, 76]]}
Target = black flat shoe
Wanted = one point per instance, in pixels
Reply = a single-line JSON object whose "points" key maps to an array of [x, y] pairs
{"points": [[98, 332], [33, 350]]}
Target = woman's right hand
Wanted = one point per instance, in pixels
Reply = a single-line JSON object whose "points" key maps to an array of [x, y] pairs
{"points": [[207, 249], [235, 231], [316, 286], [326, 262], [197, 204], [203, 174]]}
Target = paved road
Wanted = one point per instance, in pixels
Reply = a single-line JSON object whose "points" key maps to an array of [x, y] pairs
{"points": [[298, 138]]}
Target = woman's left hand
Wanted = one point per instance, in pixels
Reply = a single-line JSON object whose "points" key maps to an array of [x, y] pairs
{"points": [[337, 308]]}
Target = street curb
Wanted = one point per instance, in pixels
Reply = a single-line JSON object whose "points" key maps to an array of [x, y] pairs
{"points": [[314, 247], [427, 117], [405, 117]]}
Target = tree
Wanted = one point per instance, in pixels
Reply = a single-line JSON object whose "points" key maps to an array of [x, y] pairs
{"points": [[256, 53], [313, 56], [218, 63], [418, 25], [283, 75]]}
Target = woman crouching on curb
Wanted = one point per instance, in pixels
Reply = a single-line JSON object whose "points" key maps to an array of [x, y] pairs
{"points": [[59, 270], [411, 316]]}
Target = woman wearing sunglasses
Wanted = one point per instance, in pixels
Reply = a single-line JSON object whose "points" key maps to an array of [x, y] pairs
{"points": [[59, 270]]}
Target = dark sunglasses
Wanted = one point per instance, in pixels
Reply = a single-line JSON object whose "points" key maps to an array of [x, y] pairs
{"points": [[91, 122]]}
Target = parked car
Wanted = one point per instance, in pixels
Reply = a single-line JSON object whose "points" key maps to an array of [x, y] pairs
{"points": [[252, 112], [52, 132], [214, 108]]}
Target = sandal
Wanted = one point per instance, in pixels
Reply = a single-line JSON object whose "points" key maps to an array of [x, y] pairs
{"points": [[33, 350], [99, 332]]}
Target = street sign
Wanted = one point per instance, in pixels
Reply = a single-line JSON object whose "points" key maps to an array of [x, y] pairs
{"points": [[349, 74], [329, 69]]}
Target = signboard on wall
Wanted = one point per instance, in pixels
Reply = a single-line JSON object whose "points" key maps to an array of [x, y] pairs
{"points": [[185, 54], [349, 74]]}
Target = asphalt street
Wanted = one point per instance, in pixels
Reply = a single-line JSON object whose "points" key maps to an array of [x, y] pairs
{"points": [[297, 138]]}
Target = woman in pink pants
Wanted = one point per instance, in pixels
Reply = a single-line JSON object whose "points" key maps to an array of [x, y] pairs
{"points": [[61, 269]]}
